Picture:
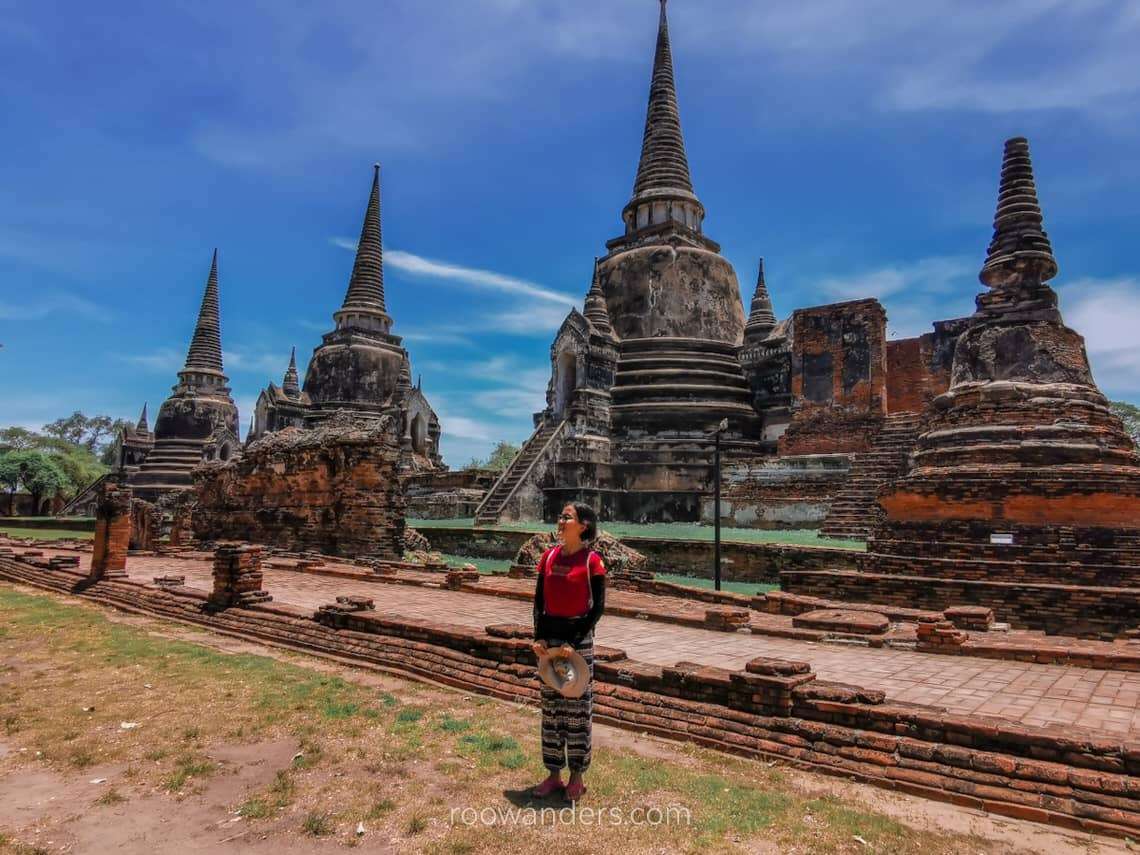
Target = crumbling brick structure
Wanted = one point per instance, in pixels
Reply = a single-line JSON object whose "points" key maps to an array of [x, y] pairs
{"points": [[237, 576], [112, 530], [332, 489], [839, 371], [918, 369], [1024, 491], [146, 524]]}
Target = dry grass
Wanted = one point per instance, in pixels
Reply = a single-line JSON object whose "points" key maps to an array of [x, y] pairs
{"points": [[393, 755]]}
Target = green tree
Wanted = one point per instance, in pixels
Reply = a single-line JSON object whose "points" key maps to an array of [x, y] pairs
{"points": [[80, 461], [501, 457], [36, 471], [17, 439], [93, 432], [1130, 415]]}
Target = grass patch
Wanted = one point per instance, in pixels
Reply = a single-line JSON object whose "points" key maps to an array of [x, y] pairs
{"points": [[750, 588], [255, 809], [187, 768], [380, 809], [486, 566], [397, 766], [46, 533], [111, 797], [670, 531], [318, 825], [450, 724]]}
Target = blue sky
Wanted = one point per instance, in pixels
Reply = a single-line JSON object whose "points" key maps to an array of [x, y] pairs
{"points": [[854, 145]]}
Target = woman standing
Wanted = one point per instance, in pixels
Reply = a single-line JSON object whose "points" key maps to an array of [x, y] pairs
{"points": [[569, 597]]}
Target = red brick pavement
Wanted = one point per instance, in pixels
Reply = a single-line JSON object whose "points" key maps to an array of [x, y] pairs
{"points": [[1035, 694]]}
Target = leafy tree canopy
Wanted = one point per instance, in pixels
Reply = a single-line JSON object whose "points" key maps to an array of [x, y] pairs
{"points": [[501, 456], [35, 471], [81, 447], [1130, 415], [92, 432]]}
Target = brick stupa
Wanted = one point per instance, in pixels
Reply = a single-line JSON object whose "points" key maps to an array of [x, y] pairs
{"points": [[199, 420], [1024, 491]]}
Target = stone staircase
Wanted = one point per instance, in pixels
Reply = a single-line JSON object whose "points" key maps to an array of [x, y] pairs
{"points": [[166, 468], [855, 512], [495, 502], [84, 496]]}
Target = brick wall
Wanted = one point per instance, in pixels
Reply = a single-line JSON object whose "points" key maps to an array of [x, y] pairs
{"points": [[1073, 610], [838, 379], [333, 489], [918, 369]]}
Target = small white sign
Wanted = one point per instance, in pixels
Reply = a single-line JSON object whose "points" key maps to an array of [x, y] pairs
{"points": [[1002, 538]]}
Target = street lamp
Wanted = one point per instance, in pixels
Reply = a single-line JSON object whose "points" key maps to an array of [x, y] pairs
{"points": [[720, 428]]}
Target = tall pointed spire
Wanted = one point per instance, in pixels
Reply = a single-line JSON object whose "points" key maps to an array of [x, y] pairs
{"points": [[143, 426], [762, 318], [205, 354], [595, 310], [365, 295], [291, 385], [1020, 243], [663, 165], [663, 189]]}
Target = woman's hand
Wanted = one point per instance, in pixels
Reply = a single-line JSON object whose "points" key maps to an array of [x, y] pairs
{"points": [[566, 650], [539, 648]]}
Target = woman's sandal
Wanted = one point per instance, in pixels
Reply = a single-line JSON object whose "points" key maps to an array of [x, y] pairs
{"points": [[575, 791], [547, 787]]}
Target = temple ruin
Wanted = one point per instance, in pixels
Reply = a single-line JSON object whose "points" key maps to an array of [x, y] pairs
{"points": [[1023, 494], [360, 369], [198, 422], [821, 410]]}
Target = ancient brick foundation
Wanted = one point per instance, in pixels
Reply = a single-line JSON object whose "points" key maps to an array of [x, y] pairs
{"points": [[1075, 610], [783, 492], [773, 709], [333, 490], [237, 576], [446, 495]]}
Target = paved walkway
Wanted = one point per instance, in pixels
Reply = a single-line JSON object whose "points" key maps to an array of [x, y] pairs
{"points": [[1105, 701]]}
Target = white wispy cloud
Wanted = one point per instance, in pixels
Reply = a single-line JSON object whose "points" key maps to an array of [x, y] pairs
{"points": [[164, 359], [926, 275], [852, 55], [1104, 311], [53, 305], [489, 280], [261, 362], [914, 293]]}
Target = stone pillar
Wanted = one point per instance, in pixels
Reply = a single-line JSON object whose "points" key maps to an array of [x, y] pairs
{"points": [[112, 531], [237, 576]]}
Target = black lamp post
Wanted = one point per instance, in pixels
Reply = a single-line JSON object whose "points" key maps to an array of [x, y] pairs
{"points": [[723, 426]]}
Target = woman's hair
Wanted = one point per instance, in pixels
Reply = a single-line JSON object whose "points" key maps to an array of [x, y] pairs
{"points": [[589, 517]]}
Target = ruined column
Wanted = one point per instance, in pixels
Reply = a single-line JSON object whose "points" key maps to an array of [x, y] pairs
{"points": [[112, 530], [237, 576]]}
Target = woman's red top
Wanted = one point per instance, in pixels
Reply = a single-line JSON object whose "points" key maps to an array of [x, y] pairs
{"points": [[566, 580]]}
